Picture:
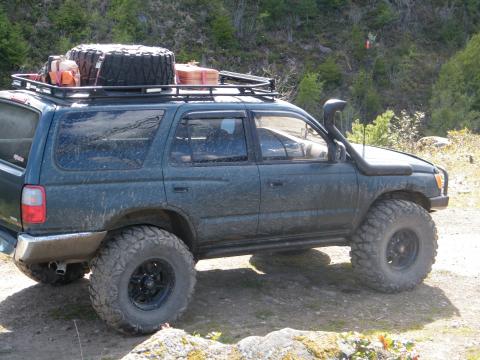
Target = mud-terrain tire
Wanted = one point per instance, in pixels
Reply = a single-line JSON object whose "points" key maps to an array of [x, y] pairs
{"points": [[44, 274], [124, 65], [395, 247], [142, 278]]}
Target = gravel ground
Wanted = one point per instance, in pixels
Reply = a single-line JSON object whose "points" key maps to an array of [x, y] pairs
{"points": [[255, 295]]}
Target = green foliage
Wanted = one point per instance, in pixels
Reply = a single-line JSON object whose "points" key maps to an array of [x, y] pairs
{"points": [[329, 72], [13, 48], [357, 43], [378, 133], [223, 31], [380, 71], [70, 17], [381, 16], [125, 16], [456, 95], [365, 96], [309, 95], [332, 4], [388, 130]]}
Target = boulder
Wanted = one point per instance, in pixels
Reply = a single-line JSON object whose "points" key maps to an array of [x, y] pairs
{"points": [[433, 141], [283, 344]]}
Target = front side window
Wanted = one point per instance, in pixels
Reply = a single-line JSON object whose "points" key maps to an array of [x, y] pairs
{"points": [[17, 128], [209, 141], [289, 138], [106, 140]]}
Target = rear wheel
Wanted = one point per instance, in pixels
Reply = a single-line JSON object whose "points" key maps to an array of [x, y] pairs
{"points": [[141, 279], [395, 247], [45, 274]]}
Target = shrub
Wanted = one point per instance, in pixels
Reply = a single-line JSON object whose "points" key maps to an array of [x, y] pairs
{"points": [[381, 16], [365, 96], [330, 73], [223, 31], [309, 95], [357, 43], [13, 48], [405, 130], [378, 133], [125, 15], [456, 94]]}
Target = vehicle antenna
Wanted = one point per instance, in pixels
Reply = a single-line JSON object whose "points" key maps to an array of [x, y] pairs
{"points": [[364, 131]]}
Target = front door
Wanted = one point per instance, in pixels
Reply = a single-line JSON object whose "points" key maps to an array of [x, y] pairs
{"points": [[302, 192], [211, 175]]}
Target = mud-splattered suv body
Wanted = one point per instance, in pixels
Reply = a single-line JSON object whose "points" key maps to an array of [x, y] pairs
{"points": [[224, 176]]}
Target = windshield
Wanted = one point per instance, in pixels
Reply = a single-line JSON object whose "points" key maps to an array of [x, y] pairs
{"points": [[17, 127]]}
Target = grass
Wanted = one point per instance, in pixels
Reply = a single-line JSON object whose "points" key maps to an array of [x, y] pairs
{"points": [[456, 158], [264, 314], [473, 353], [74, 311]]}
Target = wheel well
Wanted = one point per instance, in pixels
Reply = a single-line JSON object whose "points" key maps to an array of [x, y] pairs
{"points": [[413, 196], [168, 220]]}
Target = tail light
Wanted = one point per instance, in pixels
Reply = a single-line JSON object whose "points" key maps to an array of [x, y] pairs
{"points": [[34, 205]]}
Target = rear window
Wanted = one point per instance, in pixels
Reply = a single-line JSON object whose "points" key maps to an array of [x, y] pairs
{"points": [[17, 128], [106, 140]]}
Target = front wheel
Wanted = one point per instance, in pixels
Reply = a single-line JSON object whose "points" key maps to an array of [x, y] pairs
{"points": [[395, 247], [141, 279]]}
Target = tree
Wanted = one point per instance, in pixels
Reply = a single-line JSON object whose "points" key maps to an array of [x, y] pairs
{"points": [[13, 47], [456, 94], [310, 92], [126, 15]]}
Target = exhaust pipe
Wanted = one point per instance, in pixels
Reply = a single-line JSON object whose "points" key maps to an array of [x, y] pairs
{"points": [[329, 110]]}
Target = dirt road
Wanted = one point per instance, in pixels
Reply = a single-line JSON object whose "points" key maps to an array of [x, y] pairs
{"points": [[254, 295]]}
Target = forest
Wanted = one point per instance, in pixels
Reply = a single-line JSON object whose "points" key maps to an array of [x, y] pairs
{"points": [[409, 57]]}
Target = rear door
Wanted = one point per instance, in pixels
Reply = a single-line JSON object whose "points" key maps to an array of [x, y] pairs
{"points": [[17, 130], [210, 174]]}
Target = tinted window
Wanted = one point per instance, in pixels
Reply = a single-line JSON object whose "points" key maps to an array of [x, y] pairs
{"points": [[17, 127], [106, 140], [209, 140], [289, 138]]}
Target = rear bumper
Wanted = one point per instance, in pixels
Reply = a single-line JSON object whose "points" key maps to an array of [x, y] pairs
{"points": [[71, 247], [439, 202]]}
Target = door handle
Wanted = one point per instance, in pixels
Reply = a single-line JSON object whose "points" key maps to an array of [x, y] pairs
{"points": [[180, 189], [275, 184]]}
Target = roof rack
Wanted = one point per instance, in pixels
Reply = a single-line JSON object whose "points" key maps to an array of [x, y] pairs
{"points": [[231, 84]]}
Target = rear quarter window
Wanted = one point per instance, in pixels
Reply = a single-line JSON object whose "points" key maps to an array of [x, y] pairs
{"points": [[106, 140], [17, 128]]}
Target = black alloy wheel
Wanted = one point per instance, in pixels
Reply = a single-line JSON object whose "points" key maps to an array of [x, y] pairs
{"points": [[402, 249], [151, 284]]}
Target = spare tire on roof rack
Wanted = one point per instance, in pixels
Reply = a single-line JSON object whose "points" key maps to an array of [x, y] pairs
{"points": [[123, 65]]}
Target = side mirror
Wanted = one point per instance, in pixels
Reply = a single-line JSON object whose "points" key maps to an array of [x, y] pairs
{"points": [[330, 109]]}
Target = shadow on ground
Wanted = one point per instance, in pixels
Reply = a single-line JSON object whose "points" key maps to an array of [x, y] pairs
{"points": [[275, 291]]}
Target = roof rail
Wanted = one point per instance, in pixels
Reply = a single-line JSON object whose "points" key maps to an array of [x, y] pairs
{"points": [[231, 84]]}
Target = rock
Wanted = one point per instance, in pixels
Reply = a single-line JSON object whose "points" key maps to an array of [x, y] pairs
{"points": [[433, 141], [282, 344]]}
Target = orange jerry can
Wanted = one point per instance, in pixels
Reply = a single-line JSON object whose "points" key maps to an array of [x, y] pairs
{"points": [[64, 72], [191, 74]]}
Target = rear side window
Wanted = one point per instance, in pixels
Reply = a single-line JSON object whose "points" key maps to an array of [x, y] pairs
{"points": [[209, 141], [106, 140], [17, 128]]}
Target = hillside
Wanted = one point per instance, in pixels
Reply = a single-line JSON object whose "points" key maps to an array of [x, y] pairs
{"points": [[316, 48]]}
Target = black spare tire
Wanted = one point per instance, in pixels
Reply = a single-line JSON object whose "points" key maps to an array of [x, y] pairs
{"points": [[123, 65]]}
